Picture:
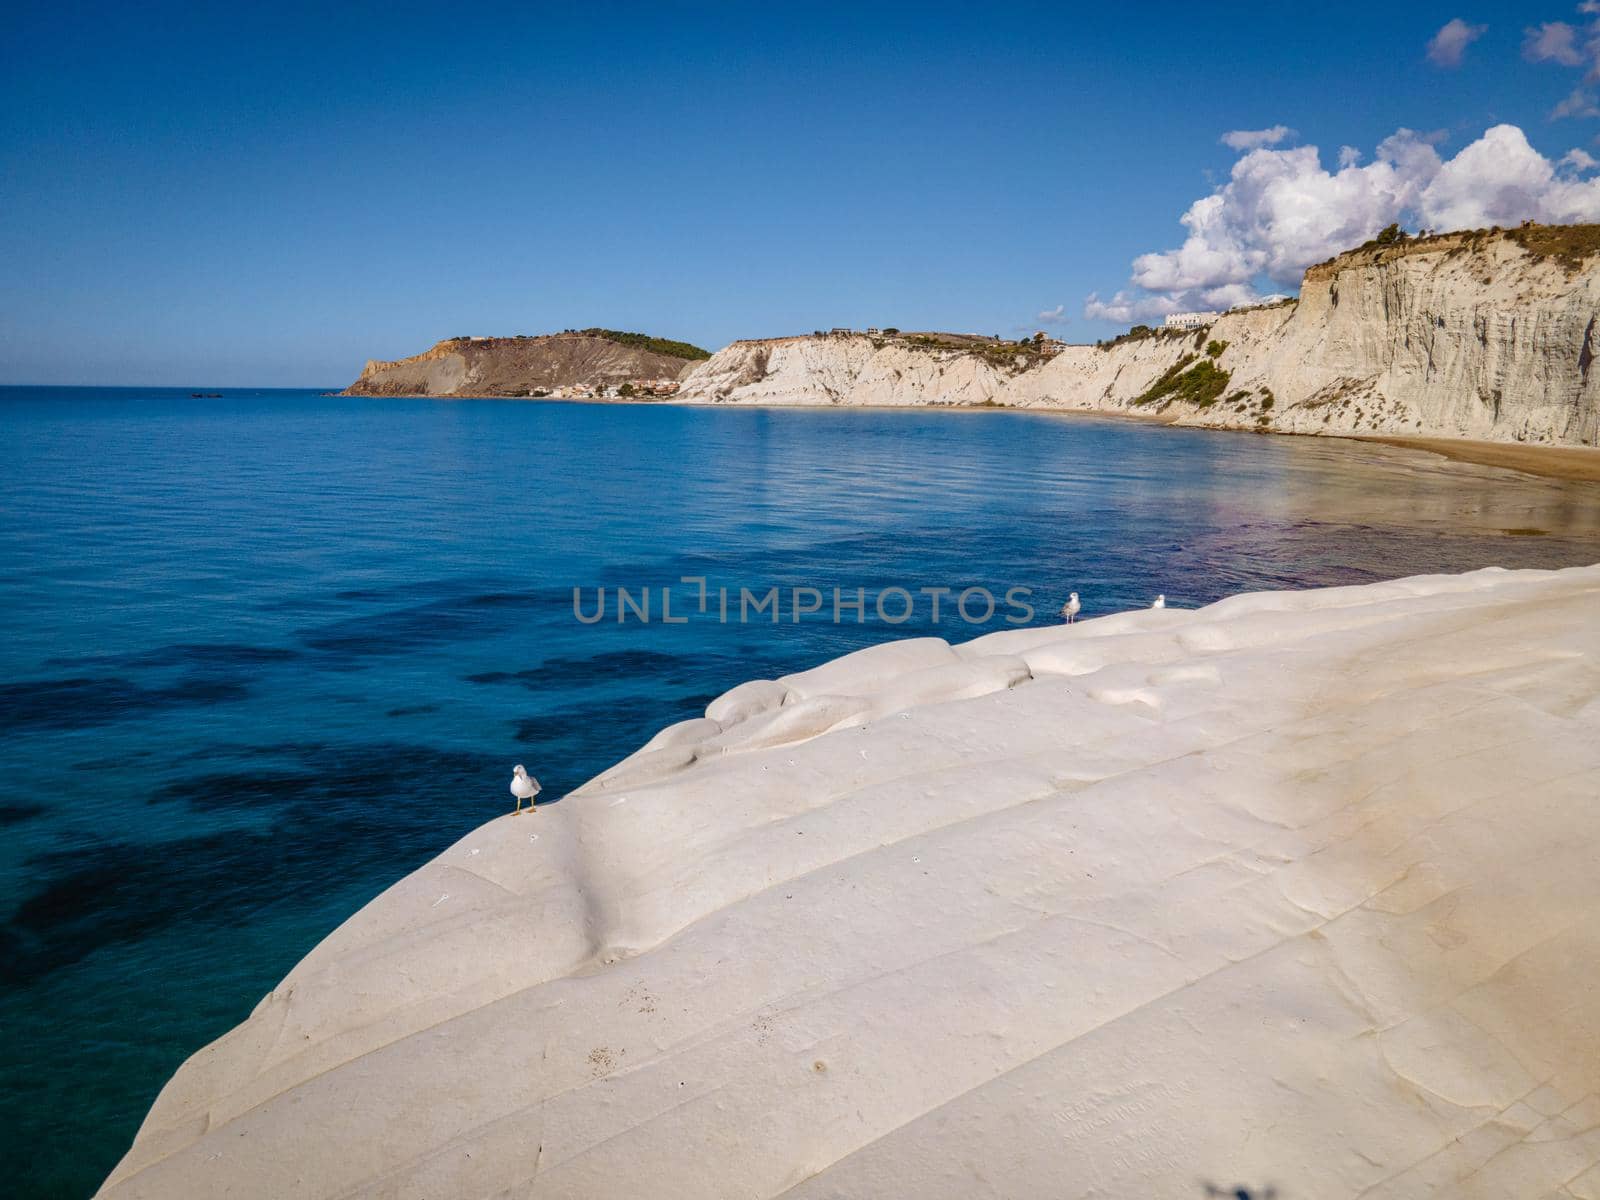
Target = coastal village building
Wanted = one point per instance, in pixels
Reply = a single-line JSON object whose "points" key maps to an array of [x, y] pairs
{"points": [[654, 387], [1190, 320], [609, 391]]}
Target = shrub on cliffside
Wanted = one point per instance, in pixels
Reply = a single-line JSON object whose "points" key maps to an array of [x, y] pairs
{"points": [[1140, 332], [1569, 245], [1197, 381]]}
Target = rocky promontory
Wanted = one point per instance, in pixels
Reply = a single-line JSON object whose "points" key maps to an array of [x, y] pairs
{"points": [[528, 366]]}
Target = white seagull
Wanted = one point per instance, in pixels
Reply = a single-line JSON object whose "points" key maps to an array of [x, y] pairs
{"points": [[1069, 610], [523, 787], [1161, 601]]}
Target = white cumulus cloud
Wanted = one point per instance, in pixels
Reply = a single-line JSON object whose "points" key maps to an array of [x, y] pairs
{"points": [[1281, 210], [1250, 139], [1058, 314], [1501, 180], [1446, 47]]}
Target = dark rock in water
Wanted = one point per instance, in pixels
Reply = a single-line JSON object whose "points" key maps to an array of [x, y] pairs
{"points": [[341, 816], [208, 656], [412, 710], [82, 703]]}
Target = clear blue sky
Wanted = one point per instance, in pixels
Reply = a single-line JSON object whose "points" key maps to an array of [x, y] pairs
{"points": [[270, 194]]}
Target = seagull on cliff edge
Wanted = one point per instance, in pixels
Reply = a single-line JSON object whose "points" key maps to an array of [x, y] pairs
{"points": [[1069, 610], [523, 787], [1161, 601]]}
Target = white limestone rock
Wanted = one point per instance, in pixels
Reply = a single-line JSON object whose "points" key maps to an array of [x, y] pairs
{"points": [[1296, 890]]}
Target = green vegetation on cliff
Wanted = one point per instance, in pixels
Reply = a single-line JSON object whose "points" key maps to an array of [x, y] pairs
{"points": [[654, 345], [1569, 245], [1389, 235], [1197, 381], [1007, 356], [1139, 332]]}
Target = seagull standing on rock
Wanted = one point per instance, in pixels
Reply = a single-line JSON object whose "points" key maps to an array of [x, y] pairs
{"points": [[1161, 601], [523, 787], [1069, 610]]}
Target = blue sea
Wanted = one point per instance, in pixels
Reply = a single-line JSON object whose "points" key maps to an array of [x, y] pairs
{"points": [[266, 653]]}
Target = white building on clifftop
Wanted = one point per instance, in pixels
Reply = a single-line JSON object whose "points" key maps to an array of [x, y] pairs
{"points": [[1190, 320]]}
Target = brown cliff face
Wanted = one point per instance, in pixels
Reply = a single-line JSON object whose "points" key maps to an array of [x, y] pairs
{"points": [[518, 366]]}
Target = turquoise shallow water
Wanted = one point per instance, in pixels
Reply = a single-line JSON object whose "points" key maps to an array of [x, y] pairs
{"points": [[265, 654]]}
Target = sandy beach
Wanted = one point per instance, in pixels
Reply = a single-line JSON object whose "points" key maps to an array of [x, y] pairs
{"points": [[1294, 890], [1554, 462]]}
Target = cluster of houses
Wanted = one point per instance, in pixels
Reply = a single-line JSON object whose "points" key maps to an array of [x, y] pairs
{"points": [[654, 388]]}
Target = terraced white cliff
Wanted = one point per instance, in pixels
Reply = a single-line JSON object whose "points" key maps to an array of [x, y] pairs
{"points": [[1482, 335], [1460, 335], [852, 369], [1120, 909]]}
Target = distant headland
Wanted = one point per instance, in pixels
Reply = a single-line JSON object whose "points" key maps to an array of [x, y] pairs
{"points": [[575, 362]]}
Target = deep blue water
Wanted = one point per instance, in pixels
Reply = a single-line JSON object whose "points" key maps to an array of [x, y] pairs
{"points": [[265, 654]]}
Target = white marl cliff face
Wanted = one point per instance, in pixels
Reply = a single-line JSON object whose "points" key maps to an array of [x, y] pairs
{"points": [[843, 369], [1456, 336], [1468, 340]]}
